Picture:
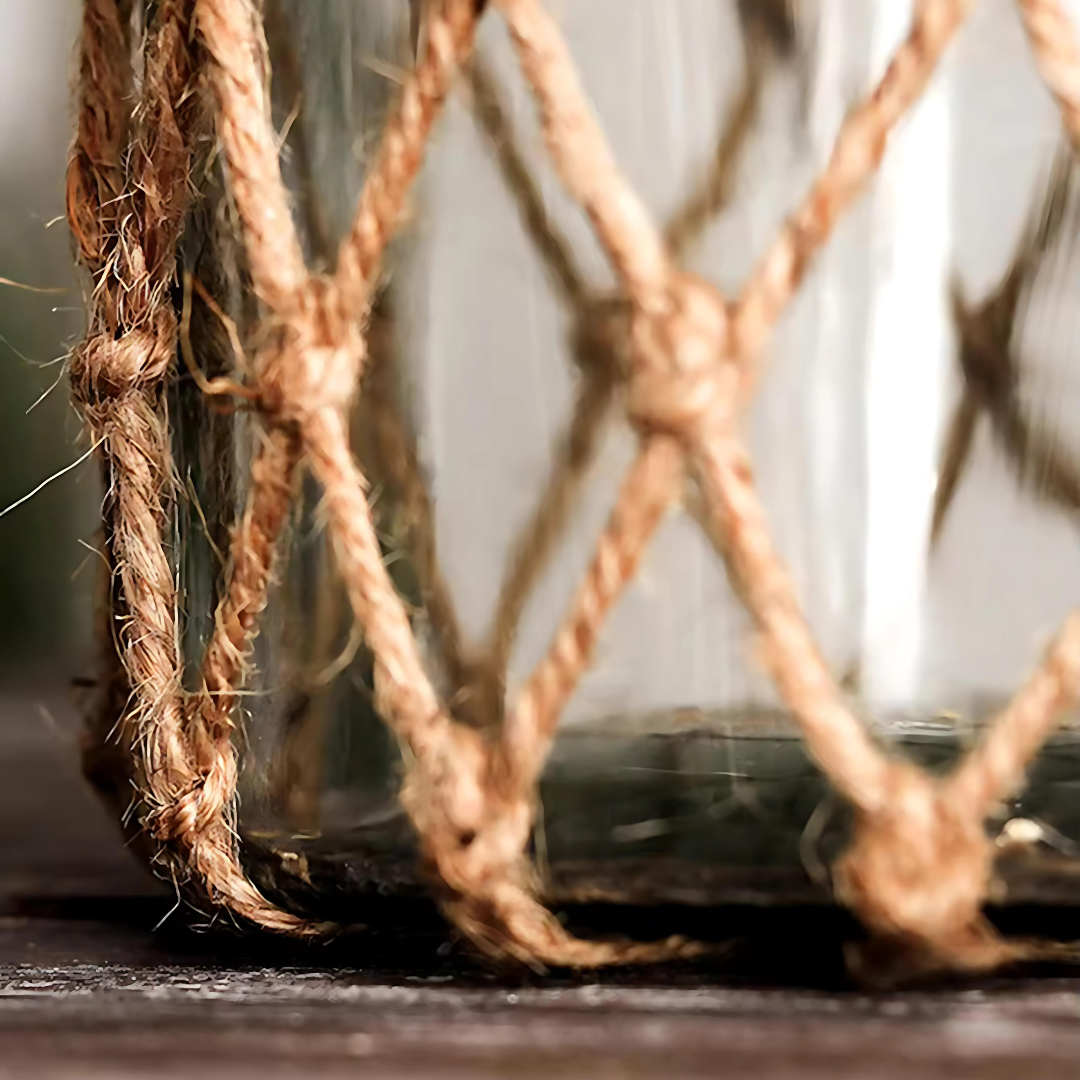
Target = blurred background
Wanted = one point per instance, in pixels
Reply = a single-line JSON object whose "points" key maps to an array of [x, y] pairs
{"points": [[54, 837], [44, 596]]}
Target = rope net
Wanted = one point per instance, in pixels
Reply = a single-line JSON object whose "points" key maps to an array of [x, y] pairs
{"points": [[920, 864]]}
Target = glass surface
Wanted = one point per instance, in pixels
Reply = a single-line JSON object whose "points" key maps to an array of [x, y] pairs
{"points": [[488, 406]]}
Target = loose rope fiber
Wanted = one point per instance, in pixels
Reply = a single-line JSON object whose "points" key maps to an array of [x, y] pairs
{"points": [[920, 865]]}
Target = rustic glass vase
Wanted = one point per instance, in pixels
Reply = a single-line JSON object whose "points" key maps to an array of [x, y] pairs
{"points": [[914, 438]]}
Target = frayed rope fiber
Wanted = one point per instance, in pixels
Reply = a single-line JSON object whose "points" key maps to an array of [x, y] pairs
{"points": [[919, 868]]}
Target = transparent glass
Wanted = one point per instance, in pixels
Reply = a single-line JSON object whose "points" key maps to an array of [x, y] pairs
{"points": [[916, 435]]}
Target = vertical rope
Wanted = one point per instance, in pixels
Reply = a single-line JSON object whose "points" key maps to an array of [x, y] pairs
{"points": [[128, 191], [118, 372]]}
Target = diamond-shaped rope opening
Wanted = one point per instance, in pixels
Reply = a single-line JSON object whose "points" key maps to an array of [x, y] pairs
{"points": [[919, 867]]}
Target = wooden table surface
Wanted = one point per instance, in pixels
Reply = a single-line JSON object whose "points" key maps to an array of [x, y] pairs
{"points": [[88, 988]]}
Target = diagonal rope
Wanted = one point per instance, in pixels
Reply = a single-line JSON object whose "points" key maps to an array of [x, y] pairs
{"points": [[598, 338]]}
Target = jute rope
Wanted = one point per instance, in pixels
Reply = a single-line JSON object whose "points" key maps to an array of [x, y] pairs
{"points": [[919, 867]]}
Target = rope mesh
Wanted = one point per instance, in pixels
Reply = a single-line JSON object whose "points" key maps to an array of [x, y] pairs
{"points": [[920, 865]]}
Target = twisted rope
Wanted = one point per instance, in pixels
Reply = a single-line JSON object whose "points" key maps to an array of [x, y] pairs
{"points": [[920, 865], [127, 196]]}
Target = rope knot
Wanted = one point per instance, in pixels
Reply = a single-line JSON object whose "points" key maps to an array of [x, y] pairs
{"points": [[313, 361], [680, 376], [473, 831], [918, 872], [111, 366]]}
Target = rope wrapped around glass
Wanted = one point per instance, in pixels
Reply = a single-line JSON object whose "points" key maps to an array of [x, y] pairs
{"points": [[390, 631]]}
